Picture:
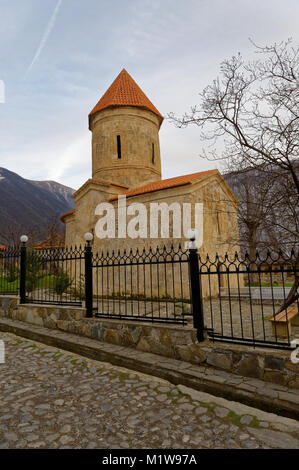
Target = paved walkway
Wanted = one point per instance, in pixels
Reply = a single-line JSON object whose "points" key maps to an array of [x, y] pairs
{"points": [[250, 391], [51, 398]]}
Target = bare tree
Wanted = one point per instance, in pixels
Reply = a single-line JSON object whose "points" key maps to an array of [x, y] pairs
{"points": [[10, 234], [254, 192], [53, 231], [253, 110], [267, 212]]}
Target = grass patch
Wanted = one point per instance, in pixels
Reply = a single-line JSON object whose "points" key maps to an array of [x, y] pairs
{"points": [[31, 346], [268, 317], [57, 356], [124, 375], [48, 281], [174, 393], [141, 297], [211, 407], [234, 417], [254, 423], [7, 287]]}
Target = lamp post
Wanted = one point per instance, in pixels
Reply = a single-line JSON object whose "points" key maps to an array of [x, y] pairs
{"points": [[88, 275], [195, 286], [24, 240]]}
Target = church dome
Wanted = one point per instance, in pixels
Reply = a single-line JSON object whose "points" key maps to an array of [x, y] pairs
{"points": [[124, 91]]}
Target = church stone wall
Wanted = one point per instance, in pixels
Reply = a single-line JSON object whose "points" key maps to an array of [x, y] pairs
{"points": [[220, 235]]}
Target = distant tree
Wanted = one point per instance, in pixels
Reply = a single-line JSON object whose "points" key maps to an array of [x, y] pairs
{"points": [[267, 214], [55, 231], [52, 231], [10, 234]]}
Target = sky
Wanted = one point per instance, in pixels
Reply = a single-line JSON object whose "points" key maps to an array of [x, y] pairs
{"points": [[58, 57]]}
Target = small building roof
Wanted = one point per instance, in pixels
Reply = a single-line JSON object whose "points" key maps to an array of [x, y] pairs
{"points": [[55, 241], [62, 217], [124, 91]]}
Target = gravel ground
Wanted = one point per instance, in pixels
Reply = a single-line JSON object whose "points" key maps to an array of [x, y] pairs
{"points": [[54, 399]]}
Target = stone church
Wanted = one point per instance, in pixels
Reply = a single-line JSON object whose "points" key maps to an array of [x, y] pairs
{"points": [[126, 161]]}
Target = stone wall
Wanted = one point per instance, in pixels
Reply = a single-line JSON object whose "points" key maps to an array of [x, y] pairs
{"points": [[173, 341]]}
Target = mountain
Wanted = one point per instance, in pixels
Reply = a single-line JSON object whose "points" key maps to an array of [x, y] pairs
{"points": [[30, 204], [60, 192]]}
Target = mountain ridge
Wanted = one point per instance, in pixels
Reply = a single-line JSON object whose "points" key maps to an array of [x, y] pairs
{"points": [[28, 204]]}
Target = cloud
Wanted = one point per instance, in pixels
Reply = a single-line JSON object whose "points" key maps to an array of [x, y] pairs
{"points": [[45, 37], [74, 160], [171, 48]]}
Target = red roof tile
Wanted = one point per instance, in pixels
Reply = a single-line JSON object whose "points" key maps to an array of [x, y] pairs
{"points": [[67, 213], [158, 185], [124, 91], [165, 184]]}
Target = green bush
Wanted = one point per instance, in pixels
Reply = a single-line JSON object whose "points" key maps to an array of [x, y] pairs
{"points": [[12, 274], [62, 282], [33, 272]]}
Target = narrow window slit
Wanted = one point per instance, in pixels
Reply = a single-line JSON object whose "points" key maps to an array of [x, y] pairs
{"points": [[118, 147], [153, 153]]}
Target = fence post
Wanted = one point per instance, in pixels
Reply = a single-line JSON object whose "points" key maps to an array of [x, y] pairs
{"points": [[195, 291], [24, 240], [88, 276]]}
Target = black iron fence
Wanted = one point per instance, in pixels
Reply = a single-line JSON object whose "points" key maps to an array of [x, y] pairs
{"points": [[9, 271], [244, 298], [229, 298], [152, 285], [53, 276]]}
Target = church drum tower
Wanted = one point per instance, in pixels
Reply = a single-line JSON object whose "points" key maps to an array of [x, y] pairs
{"points": [[125, 135]]}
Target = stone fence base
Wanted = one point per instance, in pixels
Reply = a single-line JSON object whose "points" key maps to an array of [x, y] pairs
{"points": [[174, 341]]}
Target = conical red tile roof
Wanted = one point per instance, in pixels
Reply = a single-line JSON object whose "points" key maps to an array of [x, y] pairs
{"points": [[124, 91]]}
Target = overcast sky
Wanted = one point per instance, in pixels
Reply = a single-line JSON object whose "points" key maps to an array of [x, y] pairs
{"points": [[57, 58]]}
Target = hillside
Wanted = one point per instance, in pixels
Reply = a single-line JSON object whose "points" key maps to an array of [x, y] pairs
{"points": [[29, 204]]}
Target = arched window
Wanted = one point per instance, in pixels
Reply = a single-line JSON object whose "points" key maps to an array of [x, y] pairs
{"points": [[118, 147]]}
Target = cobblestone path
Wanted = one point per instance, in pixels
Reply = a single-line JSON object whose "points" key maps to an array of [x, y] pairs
{"points": [[51, 398]]}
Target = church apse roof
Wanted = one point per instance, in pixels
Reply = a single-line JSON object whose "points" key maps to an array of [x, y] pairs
{"points": [[157, 186], [124, 91], [165, 184]]}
